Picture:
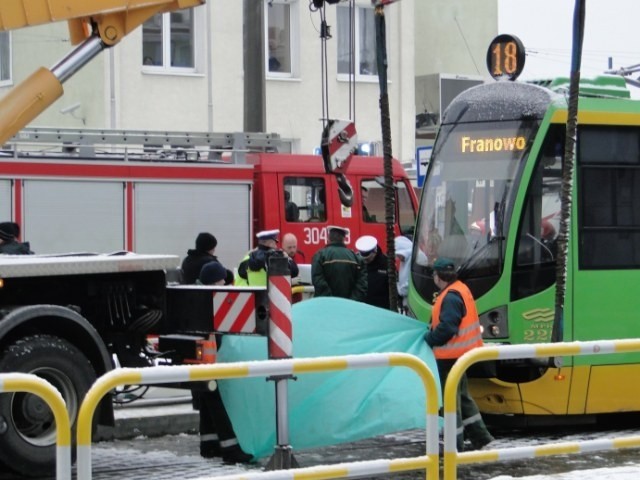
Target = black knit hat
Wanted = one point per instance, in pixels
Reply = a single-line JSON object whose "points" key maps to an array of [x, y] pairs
{"points": [[16, 229], [206, 242], [212, 273], [9, 231]]}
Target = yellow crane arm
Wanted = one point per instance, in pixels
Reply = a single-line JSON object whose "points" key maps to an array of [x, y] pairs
{"points": [[93, 25], [114, 19]]}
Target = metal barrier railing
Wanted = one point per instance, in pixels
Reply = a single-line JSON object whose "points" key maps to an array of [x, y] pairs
{"points": [[26, 382], [505, 352], [340, 470], [307, 291], [186, 373], [303, 289]]}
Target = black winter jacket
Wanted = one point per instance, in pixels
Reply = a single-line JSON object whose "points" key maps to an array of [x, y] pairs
{"points": [[192, 264], [378, 281], [16, 248]]}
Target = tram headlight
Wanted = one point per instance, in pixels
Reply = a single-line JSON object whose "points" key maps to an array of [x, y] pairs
{"points": [[495, 323]]}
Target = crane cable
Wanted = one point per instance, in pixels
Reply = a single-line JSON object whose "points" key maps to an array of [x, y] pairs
{"points": [[352, 61], [325, 34]]}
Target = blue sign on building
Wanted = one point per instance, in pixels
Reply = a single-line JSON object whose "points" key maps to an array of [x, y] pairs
{"points": [[423, 157]]}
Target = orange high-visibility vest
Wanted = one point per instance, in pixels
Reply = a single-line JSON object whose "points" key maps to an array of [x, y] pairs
{"points": [[469, 335]]}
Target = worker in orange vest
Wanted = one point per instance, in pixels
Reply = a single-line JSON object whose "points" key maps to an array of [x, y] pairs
{"points": [[455, 329]]}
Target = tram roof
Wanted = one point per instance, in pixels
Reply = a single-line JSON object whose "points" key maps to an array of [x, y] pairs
{"points": [[505, 100], [599, 86]]}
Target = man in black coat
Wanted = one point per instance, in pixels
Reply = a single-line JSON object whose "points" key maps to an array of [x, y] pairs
{"points": [[337, 271], [217, 438], [203, 253], [377, 278], [9, 244]]}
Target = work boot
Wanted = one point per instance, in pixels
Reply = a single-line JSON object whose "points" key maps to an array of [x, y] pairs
{"points": [[235, 454], [480, 443], [441, 446], [210, 449]]}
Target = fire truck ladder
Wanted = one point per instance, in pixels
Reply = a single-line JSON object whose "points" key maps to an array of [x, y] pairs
{"points": [[138, 145]]}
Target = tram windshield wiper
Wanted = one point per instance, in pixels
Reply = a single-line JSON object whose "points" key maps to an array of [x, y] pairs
{"points": [[482, 253]]}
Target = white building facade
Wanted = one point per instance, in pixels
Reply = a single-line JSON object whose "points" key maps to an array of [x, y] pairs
{"points": [[184, 72], [452, 36]]}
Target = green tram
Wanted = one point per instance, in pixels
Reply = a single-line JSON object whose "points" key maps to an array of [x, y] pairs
{"points": [[491, 202]]}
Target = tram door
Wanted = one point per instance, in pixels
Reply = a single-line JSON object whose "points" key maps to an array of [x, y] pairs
{"points": [[534, 263]]}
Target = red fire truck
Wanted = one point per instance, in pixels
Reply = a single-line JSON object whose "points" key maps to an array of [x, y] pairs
{"points": [[153, 192]]}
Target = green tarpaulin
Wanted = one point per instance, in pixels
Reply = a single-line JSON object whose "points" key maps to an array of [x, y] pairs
{"points": [[332, 407]]}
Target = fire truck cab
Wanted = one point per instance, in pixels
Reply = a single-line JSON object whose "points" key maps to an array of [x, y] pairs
{"points": [[308, 199]]}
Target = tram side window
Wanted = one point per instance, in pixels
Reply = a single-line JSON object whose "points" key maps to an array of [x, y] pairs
{"points": [[305, 199], [609, 198], [540, 221]]}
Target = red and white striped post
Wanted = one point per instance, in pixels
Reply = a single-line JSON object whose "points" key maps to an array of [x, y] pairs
{"points": [[280, 347], [279, 292]]}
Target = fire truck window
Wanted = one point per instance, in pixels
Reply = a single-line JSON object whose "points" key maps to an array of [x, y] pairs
{"points": [[291, 210], [372, 200], [407, 214], [304, 199]]}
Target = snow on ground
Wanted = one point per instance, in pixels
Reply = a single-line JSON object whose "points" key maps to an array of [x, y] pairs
{"points": [[630, 472], [111, 463], [176, 456], [181, 409]]}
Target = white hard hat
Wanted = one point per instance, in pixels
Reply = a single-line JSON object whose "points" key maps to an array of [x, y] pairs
{"points": [[366, 245], [268, 235]]}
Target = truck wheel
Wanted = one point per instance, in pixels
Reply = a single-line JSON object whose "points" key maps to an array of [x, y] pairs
{"points": [[27, 425]]}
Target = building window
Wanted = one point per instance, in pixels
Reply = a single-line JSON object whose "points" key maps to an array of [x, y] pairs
{"points": [[5, 58], [168, 41], [364, 42], [282, 37]]}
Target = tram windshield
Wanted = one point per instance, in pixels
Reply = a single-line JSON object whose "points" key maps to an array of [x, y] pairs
{"points": [[468, 194]]}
